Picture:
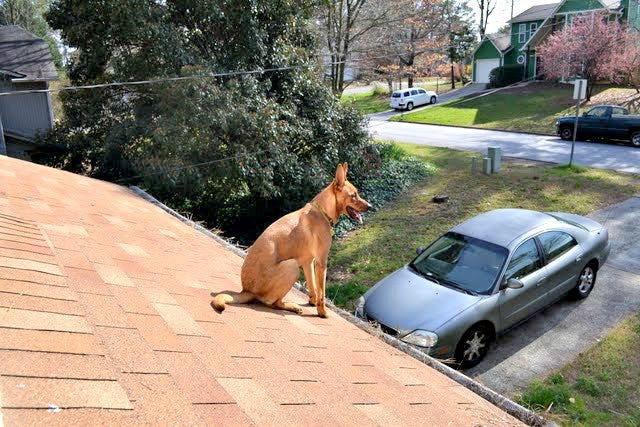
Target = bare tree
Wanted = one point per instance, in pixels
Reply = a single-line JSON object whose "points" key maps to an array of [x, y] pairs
{"points": [[486, 9], [344, 23]]}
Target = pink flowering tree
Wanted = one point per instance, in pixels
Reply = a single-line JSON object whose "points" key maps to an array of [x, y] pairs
{"points": [[625, 67], [593, 48]]}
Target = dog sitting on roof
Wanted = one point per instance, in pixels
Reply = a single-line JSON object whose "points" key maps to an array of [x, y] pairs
{"points": [[298, 239]]}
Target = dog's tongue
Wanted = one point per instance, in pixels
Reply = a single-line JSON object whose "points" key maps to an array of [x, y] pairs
{"points": [[358, 216]]}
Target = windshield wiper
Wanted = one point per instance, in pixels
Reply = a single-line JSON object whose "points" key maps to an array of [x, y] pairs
{"points": [[427, 275], [458, 287]]}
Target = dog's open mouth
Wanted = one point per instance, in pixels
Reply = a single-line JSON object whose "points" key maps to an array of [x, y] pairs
{"points": [[354, 214]]}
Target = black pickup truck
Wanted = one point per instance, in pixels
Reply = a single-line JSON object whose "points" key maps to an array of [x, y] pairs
{"points": [[602, 122]]}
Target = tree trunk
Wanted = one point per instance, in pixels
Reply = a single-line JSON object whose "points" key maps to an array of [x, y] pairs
{"points": [[390, 83], [410, 81], [453, 78]]}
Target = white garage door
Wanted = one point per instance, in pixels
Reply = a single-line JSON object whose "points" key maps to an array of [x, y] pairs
{"points": [[484, 67]]}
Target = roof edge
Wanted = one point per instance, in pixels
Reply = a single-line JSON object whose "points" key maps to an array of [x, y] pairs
{"points": [[500, 401]]}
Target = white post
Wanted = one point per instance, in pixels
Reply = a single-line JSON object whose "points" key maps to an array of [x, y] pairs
{"points": [[575, 124]]}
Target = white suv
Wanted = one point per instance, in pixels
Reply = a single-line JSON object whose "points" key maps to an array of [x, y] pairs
{"points": [[409, 98]]}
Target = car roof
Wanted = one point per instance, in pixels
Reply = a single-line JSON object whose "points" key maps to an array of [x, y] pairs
{"points": [[503, 226], [408, 89]]}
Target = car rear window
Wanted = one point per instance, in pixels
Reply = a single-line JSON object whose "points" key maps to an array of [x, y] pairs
{"points": [[395, 95]]}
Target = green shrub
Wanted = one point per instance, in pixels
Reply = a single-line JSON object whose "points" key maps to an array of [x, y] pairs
{"points": [[397, 171], [589, 386], [505, 75]]}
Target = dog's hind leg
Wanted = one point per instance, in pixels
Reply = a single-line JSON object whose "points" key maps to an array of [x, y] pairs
{"points": [[310, 277], [284, 275], [219, 301]]}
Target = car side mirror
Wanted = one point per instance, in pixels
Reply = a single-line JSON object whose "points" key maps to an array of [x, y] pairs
{"points": [[585, 114], [419, 250], [511, 284]]}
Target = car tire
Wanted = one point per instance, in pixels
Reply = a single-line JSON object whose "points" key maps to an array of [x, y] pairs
{"points": [[586, 282], [473, 346], [635, 139], [566, 133], [410, 106], [433, 100]]}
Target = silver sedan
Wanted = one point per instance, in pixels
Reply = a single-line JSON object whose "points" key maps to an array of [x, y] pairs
{"points": [[485, 276]]}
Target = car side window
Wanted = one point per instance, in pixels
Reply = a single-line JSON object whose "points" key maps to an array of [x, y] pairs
{"points": [[414, 92], [524, 261], [421, 91], [406, 94], [556, 243], [597, 112], [619, 110]]}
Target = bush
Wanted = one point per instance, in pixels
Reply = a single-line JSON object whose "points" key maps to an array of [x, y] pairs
{"points": [[505, 75], [398, 170]]}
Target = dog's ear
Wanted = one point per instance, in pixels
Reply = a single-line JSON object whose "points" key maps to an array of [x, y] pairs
{"points": [[341, 176], [345, 165]]}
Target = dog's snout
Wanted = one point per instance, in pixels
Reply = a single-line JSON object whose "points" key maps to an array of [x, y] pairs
{"points": [[367, 206]]}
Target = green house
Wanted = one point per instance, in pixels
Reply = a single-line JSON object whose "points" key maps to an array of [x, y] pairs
{"points": [[531, 28]]}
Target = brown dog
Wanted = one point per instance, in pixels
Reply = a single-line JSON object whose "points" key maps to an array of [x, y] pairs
{"points": [[299, 239]]}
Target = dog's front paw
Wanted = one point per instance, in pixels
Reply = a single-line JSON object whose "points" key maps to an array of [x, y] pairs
{"points": [[312, 301]]}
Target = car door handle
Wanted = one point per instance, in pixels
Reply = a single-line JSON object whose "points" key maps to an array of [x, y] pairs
{"points": [[579, 258], [541, 281]]}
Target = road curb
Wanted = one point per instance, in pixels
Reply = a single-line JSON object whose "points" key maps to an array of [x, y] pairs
{"points": [[526, 416]]}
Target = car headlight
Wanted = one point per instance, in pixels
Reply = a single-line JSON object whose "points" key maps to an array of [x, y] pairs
{"points": [[359, 311], [421, 338]]}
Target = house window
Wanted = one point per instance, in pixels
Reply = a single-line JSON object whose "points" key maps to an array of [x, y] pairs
{"points": [[533, 27], [522, 33]]}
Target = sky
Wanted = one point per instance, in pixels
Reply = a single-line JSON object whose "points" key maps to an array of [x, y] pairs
{"points": [[502, 12]]}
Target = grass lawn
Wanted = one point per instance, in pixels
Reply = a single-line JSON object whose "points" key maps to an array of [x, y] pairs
{"points": [[532, 108], [600, 387], [389, 237], [377, 100]]}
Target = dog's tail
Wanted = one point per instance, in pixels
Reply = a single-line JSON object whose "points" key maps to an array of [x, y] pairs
{"points": [[219, 301]]}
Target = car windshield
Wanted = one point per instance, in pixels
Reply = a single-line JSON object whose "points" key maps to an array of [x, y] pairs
{"points": [[396, 95], [462, 262]]}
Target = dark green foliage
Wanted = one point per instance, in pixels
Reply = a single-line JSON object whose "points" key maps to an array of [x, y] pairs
{"points": [[505, 75], [237, 152], [395, 173]]}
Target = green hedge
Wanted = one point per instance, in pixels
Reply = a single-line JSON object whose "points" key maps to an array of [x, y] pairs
{"points": [[505, 75]]}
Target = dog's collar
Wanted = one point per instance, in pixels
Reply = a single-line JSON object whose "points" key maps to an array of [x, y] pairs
{"points": [[324, 214]]}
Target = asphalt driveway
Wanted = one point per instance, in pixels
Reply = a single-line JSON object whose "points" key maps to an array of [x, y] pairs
{"points": [[558, 334], [620, 157]]}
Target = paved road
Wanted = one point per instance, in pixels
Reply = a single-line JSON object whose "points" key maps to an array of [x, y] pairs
{"points": [[535, 147], [557, 335], [469, 89]]}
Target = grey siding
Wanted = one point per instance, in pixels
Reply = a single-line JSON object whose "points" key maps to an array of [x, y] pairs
{"points": [[25, 114]]}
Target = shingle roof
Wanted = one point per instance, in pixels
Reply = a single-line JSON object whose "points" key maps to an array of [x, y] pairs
{"points": [[105, 319], [535, 13], [502, 41], [25, 55]]}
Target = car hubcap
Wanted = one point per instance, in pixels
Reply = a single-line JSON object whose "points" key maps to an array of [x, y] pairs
{"points": [[474, 346], [636, 140], [586, 280], [566, 133]]}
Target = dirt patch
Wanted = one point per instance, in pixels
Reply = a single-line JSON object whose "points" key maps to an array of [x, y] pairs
{"points": [[629, 98]]}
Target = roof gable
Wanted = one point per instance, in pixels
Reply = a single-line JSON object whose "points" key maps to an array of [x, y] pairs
{"points": [[26, 55], [569, 6]]}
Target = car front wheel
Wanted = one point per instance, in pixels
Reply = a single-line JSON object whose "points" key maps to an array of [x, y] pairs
{"points": [[566, 133], [410, 106], [473, 346], [635, 139], [586, 281], [433, 99]]}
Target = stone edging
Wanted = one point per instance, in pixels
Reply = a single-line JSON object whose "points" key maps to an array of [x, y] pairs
{"points": [[497, 399]]}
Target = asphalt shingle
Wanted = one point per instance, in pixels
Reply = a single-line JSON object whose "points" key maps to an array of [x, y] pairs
{"points": [[105, 317]]}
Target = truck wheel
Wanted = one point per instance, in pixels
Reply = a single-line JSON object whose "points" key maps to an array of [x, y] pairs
{"points": [[566, 133], [635, 139]]}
